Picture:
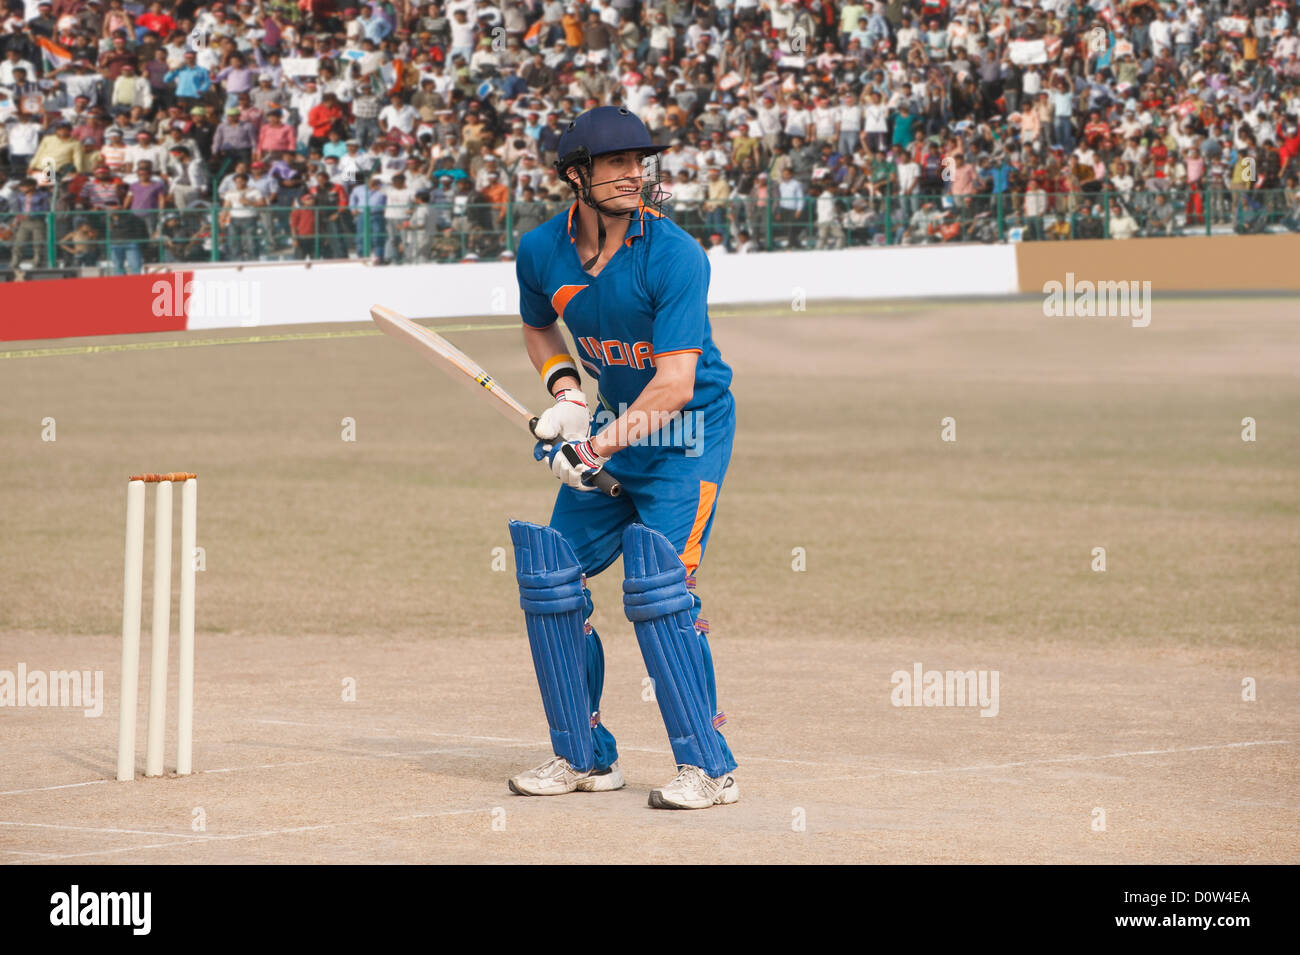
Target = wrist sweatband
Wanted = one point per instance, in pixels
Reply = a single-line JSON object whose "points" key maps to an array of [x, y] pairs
{"points": [[557, 367]]}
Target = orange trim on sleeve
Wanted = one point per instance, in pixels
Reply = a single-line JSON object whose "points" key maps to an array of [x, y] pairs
{"points": [[677, 351], [691, 555]]}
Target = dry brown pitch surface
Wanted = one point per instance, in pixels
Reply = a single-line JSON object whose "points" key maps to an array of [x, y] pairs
{"points": [[329, 561]]}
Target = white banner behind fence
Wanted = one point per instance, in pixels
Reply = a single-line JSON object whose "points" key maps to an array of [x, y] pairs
{"points": [[293, 294]]}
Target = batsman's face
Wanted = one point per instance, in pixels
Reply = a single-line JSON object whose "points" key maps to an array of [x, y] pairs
{"points": [[617, 179]]}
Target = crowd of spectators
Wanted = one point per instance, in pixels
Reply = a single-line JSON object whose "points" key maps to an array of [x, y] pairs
{"points": [[414, 131]]}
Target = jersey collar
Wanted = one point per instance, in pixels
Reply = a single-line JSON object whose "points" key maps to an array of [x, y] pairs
{"points": [[642, 211]]}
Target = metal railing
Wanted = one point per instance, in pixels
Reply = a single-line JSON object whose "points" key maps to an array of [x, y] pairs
{"points": [[839, 221], [121, 241]]}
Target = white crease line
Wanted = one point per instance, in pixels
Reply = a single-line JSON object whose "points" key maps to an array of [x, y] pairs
{"points": [[874, 771], [104, 852], [1052, 759], [199, 772], [265, 833], [512, 741], [128, 832], [42, 789], [488, 739], [231, 769], [440, 751], [739, 757], [240, 769]]}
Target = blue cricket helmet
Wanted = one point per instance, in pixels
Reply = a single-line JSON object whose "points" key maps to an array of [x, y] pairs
{"points": [[605, 129]]}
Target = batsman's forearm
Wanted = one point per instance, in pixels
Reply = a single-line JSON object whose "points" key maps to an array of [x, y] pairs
{"points": [[652, 409], [543, 344]]}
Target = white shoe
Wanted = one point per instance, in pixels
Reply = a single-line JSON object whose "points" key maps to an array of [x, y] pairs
{"points": [[555, 777], [602, 780], [695, 789]]}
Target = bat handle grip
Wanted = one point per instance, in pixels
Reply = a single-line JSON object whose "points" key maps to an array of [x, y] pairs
{"points": [[603, 480], [607, 483]]}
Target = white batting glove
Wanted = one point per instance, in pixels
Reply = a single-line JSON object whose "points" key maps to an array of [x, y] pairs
{"points": [[568, 419], [584, 464]]}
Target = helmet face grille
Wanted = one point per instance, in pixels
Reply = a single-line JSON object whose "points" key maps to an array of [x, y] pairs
{"points": [[653, 193]]}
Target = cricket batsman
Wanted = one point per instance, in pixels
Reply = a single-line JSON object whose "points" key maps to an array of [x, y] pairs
{"points": [[632, 287]]}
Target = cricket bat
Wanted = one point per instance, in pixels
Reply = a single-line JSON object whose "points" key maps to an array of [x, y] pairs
{"points": [[461, 368]]}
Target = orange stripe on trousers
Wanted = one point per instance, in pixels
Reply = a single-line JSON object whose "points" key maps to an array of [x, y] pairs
{"points": [[691, 555]]}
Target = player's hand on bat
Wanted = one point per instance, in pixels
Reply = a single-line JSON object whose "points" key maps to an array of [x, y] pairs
{"points": [[568, 419], [573, 462]]}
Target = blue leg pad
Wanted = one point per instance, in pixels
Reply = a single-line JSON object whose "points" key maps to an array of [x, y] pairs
{"points": [[555, 606], [658, 603]]}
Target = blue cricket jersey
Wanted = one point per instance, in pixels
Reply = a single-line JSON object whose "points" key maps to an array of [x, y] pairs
{"points": [[649, 300]]}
